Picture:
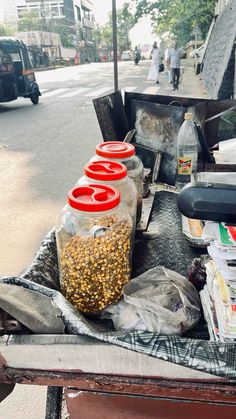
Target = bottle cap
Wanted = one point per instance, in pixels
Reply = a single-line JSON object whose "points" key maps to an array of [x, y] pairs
{"points": [[115, 149], [93, 198], [188, 116], [105, 170]]}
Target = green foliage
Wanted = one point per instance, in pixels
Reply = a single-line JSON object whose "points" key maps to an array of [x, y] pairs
{"points": [[66, 33], [6, 30], [125, 21], [102, 35], [30, 22], [177, 17]]}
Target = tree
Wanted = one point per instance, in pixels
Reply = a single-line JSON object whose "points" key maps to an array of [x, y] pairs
{"points": [[6, 30], [125, 21], [102, 35], [177, 17], [30, 21]]}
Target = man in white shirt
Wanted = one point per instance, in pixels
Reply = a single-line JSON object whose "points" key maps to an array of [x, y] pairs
{"points": [[173, 63]]}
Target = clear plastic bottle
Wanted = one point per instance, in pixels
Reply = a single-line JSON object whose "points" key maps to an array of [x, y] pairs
{"points": [[187, 151]]}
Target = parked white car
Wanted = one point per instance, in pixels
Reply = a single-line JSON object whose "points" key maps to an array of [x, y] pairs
{"points": [[126, 56]]}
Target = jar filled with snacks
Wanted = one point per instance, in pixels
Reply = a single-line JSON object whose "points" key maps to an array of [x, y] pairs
{"points": [[124, 153], [93, 235], [114, 174]]}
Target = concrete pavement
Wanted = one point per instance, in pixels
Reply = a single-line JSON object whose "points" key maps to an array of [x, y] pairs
{"points": [[190, 84]]}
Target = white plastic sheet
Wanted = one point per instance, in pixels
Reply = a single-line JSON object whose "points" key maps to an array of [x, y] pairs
{"points": [[159, 300]]}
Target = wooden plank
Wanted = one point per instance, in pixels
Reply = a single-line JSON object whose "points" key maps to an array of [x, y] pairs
{"points": [[80, 353]]}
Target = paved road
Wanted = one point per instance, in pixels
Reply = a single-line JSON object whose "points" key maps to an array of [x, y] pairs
{"points": [[42, 153], [43, 150]]}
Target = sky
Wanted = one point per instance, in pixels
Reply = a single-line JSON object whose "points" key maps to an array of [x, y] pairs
{"points": [[103, 7], [140, 34]]}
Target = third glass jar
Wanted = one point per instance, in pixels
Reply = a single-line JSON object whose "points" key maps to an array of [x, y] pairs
{"points": [[124, 153]]}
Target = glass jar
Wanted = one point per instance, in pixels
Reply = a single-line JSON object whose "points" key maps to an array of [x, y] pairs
{"points": [[93, 235], [124, 153], [114, 174]]}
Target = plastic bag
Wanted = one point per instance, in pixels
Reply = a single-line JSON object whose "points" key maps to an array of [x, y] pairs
{"points": [[160, 300], [168, 76]]}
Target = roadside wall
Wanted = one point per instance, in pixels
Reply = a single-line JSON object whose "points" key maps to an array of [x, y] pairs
{"points": [[235, 74], [219, 61]]}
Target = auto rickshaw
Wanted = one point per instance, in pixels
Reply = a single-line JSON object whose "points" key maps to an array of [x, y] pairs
{"points": [[17, 78]]}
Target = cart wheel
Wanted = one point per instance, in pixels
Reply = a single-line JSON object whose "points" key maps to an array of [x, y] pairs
{"points": [[53, 404], [34, 97]]}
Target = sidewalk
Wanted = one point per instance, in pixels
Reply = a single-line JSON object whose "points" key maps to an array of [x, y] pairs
{"points": [[190, 83]]}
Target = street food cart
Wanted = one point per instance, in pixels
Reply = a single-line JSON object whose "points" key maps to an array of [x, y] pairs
{"points": [[132, 374]]}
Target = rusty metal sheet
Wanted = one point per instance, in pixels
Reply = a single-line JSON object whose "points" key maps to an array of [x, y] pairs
{"points": [[151, 158], [111, 116], [89, 405], [214, 391], [146, 212], [116, 118], [161, 99], [219, 167], [212, 128], [157, 128]]}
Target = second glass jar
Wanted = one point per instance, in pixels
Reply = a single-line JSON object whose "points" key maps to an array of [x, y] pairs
{"points": [[114, 174]]}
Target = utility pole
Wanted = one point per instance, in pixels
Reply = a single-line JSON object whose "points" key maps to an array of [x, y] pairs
{"points": [[42, 14], [197, 36], [114, 31]]}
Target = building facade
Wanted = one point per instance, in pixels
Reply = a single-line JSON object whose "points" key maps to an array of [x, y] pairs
{"points": [[8, 13], [47, 9], [84, 21], [76, 15]]}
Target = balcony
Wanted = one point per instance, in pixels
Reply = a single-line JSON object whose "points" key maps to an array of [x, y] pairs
{"points": [[87, 4], [88, 23]]}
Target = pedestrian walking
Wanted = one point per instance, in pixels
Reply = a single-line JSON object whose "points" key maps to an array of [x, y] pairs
{"points": [[153, 74], [45, 59], [168, 72], [173, 63], [53, 60], [136, 55]]}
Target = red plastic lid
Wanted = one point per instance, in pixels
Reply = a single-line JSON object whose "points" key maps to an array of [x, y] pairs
{"points": [[105, 170], [115, 149], [93, 198]]}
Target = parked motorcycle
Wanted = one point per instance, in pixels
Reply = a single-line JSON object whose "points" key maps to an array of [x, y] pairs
{"points": [[137, 56]]}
